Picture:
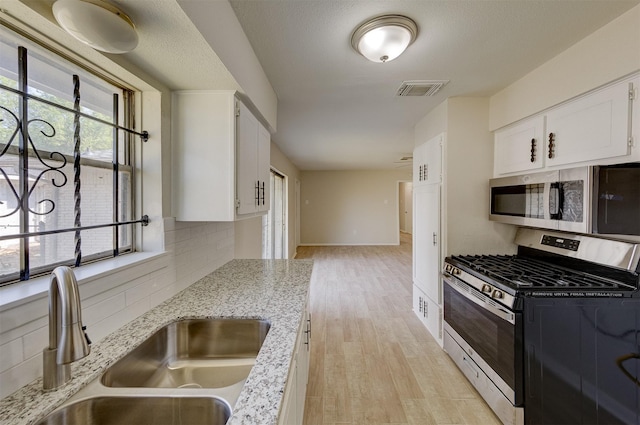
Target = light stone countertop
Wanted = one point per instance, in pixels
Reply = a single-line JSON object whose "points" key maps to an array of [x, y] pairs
{"points": [[275, 290]]}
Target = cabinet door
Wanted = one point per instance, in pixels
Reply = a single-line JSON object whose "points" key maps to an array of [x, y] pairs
{"points": [[264, 168], [426, 253], [288, 414], [247, 190], [427, 161], [429, 313], [420, 307], [519, 147], [203, 155], [302, 373], [595, 126], [292, 411], [581, 360]]}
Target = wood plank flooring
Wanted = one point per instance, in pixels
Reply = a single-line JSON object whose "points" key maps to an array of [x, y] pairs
{"points": [[372, 361]]}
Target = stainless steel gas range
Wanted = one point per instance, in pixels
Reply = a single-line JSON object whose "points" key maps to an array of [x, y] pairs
{"points": [[550, 335]]}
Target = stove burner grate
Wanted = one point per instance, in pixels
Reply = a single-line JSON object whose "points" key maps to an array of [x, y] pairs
{"points": [[526, 273]]}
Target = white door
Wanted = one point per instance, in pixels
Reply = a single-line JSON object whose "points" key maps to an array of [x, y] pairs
{"points": [[408, 204], [426, 237], [275, 222]]}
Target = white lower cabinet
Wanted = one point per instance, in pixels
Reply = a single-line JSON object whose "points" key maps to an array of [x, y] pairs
{"points": [[295, 391], [429, 312]]}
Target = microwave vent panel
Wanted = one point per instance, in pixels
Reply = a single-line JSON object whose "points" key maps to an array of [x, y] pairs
{"points": [[421, 87]]}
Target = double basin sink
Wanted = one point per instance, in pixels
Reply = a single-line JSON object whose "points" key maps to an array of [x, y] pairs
{"points": [[188, 372]]}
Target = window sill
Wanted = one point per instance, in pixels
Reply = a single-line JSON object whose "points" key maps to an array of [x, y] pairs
{"points": [[20, 293]]}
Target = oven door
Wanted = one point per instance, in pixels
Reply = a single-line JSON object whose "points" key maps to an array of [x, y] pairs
{"points": [[493, 333]]}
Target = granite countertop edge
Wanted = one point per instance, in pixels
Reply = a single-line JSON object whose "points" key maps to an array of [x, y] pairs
{"points": [[276, 290]]}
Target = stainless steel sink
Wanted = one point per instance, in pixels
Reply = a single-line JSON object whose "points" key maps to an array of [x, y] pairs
{"points": [[141, 411], [201, 353]]}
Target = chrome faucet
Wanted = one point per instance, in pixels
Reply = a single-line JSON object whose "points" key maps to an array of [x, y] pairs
{"points": [[67, 340]]}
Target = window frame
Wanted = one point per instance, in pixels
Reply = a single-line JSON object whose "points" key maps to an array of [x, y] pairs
{"points": [[130, 166]]}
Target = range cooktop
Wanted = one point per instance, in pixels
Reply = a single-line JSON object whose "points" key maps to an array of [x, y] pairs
{"points": [[522, 273]]}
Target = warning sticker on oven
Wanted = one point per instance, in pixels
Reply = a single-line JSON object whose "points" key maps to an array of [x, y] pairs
{"points": [[577, 294]]}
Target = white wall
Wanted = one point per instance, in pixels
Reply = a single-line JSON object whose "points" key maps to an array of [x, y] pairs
{"points": [[248, 238], [350, 207], [230, 43], [469, 165], [609, 53]]}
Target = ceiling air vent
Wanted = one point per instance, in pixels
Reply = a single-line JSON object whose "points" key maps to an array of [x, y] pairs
{"points": [[421, 87]]}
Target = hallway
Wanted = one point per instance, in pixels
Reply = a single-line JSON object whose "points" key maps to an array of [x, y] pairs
{"points": [[372, 361]]}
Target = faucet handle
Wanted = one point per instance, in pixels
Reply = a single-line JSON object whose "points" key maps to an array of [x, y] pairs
{"points": [[84, 328]]}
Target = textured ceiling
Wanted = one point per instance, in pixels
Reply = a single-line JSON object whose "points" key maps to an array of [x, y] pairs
{"points": [[170, 48], [336, 110]]}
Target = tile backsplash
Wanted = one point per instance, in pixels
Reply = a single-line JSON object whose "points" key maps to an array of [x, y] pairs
{"points": [[192, 250]]}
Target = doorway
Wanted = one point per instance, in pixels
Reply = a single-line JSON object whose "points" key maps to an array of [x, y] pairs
{"points": [[405, 207], [274, 224]]}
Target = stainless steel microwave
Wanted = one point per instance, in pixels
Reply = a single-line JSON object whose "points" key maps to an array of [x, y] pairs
{"points": [[558, 200], [603, 200]]}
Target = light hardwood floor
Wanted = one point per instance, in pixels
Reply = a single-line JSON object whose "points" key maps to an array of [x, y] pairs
{"points": [[372, 361]]}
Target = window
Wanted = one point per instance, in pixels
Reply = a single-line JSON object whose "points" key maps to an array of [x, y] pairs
{"points": [[66, 163]]}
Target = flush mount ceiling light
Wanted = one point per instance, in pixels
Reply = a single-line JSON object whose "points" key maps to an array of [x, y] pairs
{"points": [[98, 24], [384, 38]]}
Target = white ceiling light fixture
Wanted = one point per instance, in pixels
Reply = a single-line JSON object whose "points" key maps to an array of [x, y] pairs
{"points": [[384, 38], [98, 24]]}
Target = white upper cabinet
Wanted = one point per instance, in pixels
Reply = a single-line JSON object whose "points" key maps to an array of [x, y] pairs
{"points": [[426, 240], [427, 246], [596, 128], [253, 143], [519, 147], [427, 162], [591, 127], [220, 158]]}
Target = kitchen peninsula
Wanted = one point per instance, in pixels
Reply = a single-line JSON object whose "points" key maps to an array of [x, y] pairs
{"points": [[275, 290]]}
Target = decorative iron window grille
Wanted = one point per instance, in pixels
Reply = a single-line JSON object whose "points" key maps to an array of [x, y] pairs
{"points": [[41, 185]]}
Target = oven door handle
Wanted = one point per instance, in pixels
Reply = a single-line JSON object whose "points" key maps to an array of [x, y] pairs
{"points": [[482, 302]]}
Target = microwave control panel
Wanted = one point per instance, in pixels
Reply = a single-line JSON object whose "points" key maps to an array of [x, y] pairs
{"points": [[564, 243]]}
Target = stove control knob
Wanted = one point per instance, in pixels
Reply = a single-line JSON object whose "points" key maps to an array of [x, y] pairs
{"points": [[447, 268], [497, 294], [486, 289], [456, 271]]}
